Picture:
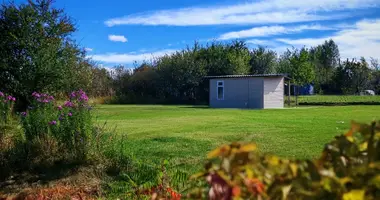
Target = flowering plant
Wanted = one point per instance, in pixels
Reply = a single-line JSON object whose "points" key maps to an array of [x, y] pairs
{"points": [[6, 106], [69, 124]]}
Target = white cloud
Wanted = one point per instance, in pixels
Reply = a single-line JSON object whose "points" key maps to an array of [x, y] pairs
{"points": [[259, 12], [129, 57], [117, 38], [361, 39], [88, 49], [265, 31]]}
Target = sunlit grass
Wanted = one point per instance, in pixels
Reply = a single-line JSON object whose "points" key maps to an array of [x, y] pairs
{"points": [[185, 134]]}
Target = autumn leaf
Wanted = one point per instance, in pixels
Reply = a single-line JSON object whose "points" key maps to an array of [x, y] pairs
{"points": [[236, 191], [293, 168], [248, 148], [354, 195], [219, 151]]}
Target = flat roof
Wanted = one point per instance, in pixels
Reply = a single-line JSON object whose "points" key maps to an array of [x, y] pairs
{"points": [[249, 75]]}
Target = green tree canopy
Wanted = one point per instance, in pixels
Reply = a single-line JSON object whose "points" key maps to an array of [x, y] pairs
{"points": [[37, 52]]}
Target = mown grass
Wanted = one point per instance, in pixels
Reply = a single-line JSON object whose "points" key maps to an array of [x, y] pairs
{"points": [[338, 100], [184, 134]]}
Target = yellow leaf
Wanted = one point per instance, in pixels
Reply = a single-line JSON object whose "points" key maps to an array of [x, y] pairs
{"points": [[350, 138], [345, 180], [363, 146], [248, 148], [218, 152], [354, 195], [249, 173], [274, 160], [294, 168]]}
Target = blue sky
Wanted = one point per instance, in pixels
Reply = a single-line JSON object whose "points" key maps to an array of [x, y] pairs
{"points": [[122, 31]]}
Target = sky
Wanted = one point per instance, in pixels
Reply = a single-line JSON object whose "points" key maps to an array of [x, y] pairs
{"points": [[123, 31]]}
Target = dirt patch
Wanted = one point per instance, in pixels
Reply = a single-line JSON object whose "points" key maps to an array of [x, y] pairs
{"points": [[80, 183]]}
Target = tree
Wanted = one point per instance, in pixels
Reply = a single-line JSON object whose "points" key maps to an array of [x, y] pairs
{"points": [[263, 61], [375, 75], [325, 58], [352, 77], [297, 65], [37, 53]]}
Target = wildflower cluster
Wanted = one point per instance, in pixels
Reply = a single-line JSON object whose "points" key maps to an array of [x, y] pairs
{"points": [[42, 98], [69, 124], [6, 105]]}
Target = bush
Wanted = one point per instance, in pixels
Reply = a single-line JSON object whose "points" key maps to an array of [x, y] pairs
{"points": [[62, 132], [348, 168], [10, 136]]}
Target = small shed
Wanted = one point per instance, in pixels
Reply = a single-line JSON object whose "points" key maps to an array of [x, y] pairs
{"points": [[257, 91]]}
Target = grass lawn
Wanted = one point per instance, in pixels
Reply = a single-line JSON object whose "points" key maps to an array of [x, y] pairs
{"points": [[184, 134]]}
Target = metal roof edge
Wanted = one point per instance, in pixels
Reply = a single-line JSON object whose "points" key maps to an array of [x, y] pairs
{"points": [[248, 75]]}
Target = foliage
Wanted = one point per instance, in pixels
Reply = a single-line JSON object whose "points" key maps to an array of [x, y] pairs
{"points": [[325, 58], [352, 77], [296, 64], [6, 107], [66, 129], [348, 168], [179, 77], [375, 82], [37, 52], [263, 61]]}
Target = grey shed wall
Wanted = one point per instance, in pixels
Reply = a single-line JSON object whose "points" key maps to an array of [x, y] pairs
{"points": [[249, 92]]}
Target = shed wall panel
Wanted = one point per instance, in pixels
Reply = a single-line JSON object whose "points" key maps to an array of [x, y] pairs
{"points": [[256, 92], [235, 93], [273, 92]]}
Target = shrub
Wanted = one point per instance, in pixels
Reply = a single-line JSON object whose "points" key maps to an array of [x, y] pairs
{"points": [[6, 105], [10, 136], [348, 168], [59, 131]]}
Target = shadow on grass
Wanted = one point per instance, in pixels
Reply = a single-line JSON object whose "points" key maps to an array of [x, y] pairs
{"points": [[38, 177]]}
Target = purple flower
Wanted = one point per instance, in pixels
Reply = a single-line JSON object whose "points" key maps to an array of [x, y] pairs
{"points": [[53, 122], [10, 98], [72, 94], [45, 101], [59, 107], [68, 104], [23, 114], [60, 118], [51, 98], [70, 114], [36, 95], [1, 94], [13, 98]]}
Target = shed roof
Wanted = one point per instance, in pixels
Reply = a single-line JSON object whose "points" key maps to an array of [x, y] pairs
{"points": [[250, 75]]}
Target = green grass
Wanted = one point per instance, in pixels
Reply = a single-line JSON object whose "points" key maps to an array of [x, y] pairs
{"points": [[184, 134], [332, 99]]}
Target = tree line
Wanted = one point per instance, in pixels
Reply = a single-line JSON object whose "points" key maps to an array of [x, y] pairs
{"points": [[38, 53], [179, 77]]}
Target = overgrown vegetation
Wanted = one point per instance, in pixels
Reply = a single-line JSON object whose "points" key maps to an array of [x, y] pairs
{"points": [[37, 53], [348, 168], [338, 100]]}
